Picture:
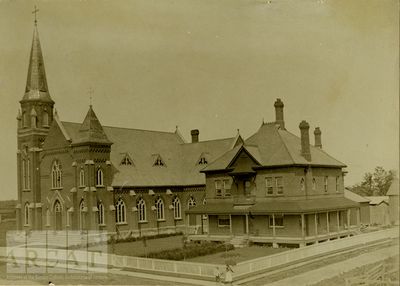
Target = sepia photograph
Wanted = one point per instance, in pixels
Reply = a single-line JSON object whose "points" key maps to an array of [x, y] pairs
{"points": [[188, 142]]}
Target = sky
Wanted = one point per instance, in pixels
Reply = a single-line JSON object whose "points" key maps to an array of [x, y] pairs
{"points": [[216, 66]]}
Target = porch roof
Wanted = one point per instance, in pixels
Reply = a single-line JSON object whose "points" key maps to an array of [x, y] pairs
{"points": [[276, 206]]}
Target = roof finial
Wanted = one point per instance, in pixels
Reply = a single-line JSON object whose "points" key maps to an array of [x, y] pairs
{"points": [[35, 11], [238, 131]]}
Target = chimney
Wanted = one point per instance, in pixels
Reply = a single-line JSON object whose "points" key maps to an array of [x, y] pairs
{"points": [[317, 138], [195, 135], [279, 113], [305, 140]]}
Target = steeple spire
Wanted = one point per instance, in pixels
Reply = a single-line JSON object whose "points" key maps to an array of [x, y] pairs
{"points": [[36, 83]]}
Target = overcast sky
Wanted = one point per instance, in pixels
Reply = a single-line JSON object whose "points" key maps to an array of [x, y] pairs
{"points": [[213, 65]]}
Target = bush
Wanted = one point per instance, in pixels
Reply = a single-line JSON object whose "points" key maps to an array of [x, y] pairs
{"points": [[191, 250], [148, 237]]}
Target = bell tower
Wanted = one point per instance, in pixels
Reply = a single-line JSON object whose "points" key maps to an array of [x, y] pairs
{"points": [[34, 120]]}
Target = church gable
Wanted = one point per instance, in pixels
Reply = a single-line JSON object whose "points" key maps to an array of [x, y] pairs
{"points": [[57, 136]]}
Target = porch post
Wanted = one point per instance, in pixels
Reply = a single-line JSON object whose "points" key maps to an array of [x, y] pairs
{"points": [[316, 225], [202, 224], [187, 224], [302, 230], [230, 224], [274, 244], [247, 224], [338, 221], [358, 216], [348, 218], [327, 222]]}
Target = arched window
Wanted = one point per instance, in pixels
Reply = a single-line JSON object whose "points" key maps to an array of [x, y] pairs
{"points": [[57, 207], [176, 203], [24, 121], [33, 121], [56, 175], [45, 119], [302, 184], [48, 217], [82, 177], [160, 209], [191, 202], [82, 215], [101, 213], [23, 169], [121, 211], [99, 177], [57, 215], [28, 175], [26, 217], [141, 207], [314, 184]]}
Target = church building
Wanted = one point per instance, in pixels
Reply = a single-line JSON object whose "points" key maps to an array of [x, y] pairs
{"points": [[86, 176]]}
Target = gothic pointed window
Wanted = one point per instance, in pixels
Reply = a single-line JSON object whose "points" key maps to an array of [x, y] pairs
{"points": [[126, 160], [99, 177], [26, 214], [159, 204], [159, 161], [101, 213], [314, 184], [82, 215], [82, 177], [176, 203], [45, 119], [141, 207], [33, 121], [23, 169], [191, 202], [48, 216], [120, 211], [302, 184], [56, 175]]}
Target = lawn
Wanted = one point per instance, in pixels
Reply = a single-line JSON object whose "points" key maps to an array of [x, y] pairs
{"points": [[238, 255], [137, 248]]}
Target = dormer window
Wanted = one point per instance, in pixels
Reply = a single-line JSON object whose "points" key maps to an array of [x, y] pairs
{"points": [[126, 160], [159, 161], [203, 159]]}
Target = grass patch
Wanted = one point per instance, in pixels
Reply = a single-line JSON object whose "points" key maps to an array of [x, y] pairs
{"points": [[192, 249]]}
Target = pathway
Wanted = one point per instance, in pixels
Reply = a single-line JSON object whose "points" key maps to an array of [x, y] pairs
{"points": [[332, 270]]}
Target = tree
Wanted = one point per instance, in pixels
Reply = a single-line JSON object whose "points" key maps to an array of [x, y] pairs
{"points": [[374, 184]]}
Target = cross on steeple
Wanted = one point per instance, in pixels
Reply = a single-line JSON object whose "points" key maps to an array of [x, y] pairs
{"points": [[90, 91], [35, 11]]}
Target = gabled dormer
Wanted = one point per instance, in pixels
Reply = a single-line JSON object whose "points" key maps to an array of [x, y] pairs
{"points": [[158, 161], [126, 160]]}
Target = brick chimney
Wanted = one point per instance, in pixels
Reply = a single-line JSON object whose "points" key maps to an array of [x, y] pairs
{"points": [[195, 135], [305, 140], [279, 113], [317, 138]]}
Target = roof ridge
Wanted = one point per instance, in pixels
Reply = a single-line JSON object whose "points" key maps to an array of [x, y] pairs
{"points": [[118, 127], [284, 143], [219, 139]]}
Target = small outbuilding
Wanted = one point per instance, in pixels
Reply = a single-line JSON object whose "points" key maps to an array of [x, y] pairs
{"points": [[394, 202], [379, 210], [363, 214]]}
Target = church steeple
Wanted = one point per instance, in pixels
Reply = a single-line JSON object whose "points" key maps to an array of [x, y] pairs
{"points": [[91, 130], [36, 84]]}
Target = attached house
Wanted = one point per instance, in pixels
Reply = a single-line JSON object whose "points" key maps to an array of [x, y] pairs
{"points": [[276, 188]]}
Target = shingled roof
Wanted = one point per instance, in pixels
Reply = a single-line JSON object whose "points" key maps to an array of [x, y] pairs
{"points": [[143, 146], [273, 146]]}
